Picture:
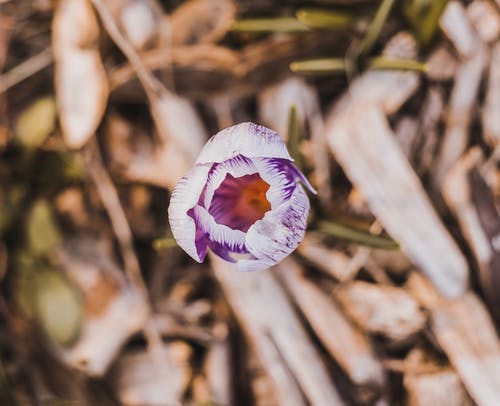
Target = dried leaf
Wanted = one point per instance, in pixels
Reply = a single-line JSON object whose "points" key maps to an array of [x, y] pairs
{"points": [[201, 21], [36, 123], [57, 307], [47, 297], [43, 234]]}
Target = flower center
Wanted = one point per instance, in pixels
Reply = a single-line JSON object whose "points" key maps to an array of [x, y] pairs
{"points": [[240, 202]]}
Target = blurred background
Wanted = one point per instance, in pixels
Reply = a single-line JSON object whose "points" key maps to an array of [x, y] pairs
{"points": [[391, 109]]}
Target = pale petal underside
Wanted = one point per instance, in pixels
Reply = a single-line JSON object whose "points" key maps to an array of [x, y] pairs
{"points": [[247, 139], [184, 197], [276, 235]]}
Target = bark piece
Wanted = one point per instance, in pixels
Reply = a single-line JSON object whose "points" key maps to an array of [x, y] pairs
{"points": [[80, 79], [379, 309], [491, 108], [347, 345], [274, 330], [464, 330]]}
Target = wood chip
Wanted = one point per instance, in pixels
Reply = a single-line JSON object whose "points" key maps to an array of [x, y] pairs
{"points": [[275, 332], [201, 21], [363, 143], [457, 27], [441, 64], [430, 119], [460, 112], [374, 162], [491, 108], [218, 373], [138, 19], [345, 343], [473, 204], [80, 79], [379, 309], [485, 18], [333, 262], [464, 330], [180, 129], [139, 382], [430, 383], [114, 309], [406, 133]]}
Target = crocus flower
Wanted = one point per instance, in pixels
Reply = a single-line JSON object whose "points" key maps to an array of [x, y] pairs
{"points": [[242, 199]]}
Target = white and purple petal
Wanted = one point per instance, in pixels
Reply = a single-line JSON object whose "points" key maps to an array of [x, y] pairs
{"points": [[184, 197], [243, 200], [278, 233], [223, 240], [237, 167], [247, 139], [282, 176]]}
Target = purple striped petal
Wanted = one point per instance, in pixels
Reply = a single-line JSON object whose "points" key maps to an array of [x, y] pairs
{"points": [[220, 238], [282, 176], [184, 197], [247, 139], [237, 167], [280, 231]]}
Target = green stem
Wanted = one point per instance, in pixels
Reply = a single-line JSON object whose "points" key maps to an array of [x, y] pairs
{"points": [[326, 65], [325, 19], [293, 140], [356, 235], [375, 27], [164, 243], [278, 24]]}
